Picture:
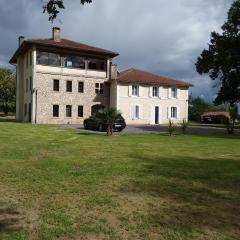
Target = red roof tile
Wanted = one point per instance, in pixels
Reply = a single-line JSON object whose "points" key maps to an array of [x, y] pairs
{"points": [[64, 43], [216, 114], [139, 76]]}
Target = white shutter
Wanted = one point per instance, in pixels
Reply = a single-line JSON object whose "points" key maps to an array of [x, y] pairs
{"points": [[160, 92], [150, 92], [169, 92], [169, 112], [140, 111], [178, 93], [130, 90], [160, 114], [152, 120], [178, 112], [140, 91]]}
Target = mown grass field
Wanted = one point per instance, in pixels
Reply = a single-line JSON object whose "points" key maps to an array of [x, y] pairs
{"points": [[56, 183]]}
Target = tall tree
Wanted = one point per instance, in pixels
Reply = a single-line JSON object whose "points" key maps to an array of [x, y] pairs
{"points": [[7, 90], [222, 58], [53, 7]]}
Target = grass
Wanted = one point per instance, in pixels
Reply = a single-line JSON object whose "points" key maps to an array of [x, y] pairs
{"points": [[59, 184]]}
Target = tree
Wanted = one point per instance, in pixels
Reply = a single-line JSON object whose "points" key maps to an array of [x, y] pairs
{"points": [[222, 58], [53, 7], [7, 90], [108, 116]]}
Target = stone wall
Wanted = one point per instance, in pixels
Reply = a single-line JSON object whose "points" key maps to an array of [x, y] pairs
{"points": [[46, 97]]}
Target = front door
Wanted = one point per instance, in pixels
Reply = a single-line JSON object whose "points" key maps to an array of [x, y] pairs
{"points": [[29, 112], [156, 115]]}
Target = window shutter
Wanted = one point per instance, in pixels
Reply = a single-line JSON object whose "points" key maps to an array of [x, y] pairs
{"points": [[178, 112], [160, 92], [140, 111], [150, 92], [130, 90], [169, 92], [152, 114], [178, 93], [133, 111], [169, 112], [140, 91]]}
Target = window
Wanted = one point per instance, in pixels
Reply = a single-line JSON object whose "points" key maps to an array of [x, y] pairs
{"points": [[74, 62], [96, 64], [69, 86], [155, 91], [135, 112], [46, 58], [56, 85], [80, 111], [25, 109], [26, 84], [99, 88], [80, 87], [135, 90], [173, 112], [174, 92], [55, 110], [69, 111], [30, 83]]}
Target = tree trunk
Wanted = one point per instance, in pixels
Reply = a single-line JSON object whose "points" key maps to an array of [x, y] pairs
{"points": [[108, 130]]}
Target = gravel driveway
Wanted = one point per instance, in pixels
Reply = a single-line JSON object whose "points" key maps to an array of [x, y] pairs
{"points": [[157, 129]]}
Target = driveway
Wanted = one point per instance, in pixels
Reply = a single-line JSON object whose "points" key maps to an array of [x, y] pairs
{"points": [[158, 129]]}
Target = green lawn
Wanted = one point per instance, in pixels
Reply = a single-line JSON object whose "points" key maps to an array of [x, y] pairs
{"points": [[56, 183]]}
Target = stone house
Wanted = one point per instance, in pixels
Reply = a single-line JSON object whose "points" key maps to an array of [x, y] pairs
{"points": [[60, 81]]}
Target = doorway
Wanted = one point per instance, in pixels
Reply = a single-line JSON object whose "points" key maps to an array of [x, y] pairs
{"points": [[156, 115]]}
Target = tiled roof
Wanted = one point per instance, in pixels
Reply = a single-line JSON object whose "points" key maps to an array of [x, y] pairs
{"points": [[216, 114], [139, 76], [64, 44]]}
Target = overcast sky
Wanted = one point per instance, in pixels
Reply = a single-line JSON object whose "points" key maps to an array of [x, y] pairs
{"points": [[159, 36]]}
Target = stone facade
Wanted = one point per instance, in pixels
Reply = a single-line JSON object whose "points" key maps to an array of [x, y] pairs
{"points": [[46, 97]]}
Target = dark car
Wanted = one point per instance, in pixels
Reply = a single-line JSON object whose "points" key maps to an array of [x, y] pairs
{"points": [[97, 124]]}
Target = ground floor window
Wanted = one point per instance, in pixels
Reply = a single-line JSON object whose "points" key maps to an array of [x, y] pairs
{"points": [[135, 112], [80, 111], [55, 110], [173, 112], [69, 111]]}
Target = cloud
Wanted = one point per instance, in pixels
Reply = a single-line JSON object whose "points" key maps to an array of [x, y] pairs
{"points": [[164, 37]]}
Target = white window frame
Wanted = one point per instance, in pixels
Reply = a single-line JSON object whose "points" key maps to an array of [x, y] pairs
{"points": [[175, 93], [157, 91], [135, 92], [133, 111]]}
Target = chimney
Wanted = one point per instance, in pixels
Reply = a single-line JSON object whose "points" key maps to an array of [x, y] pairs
{"points": [[20, 40], [56, 36]]}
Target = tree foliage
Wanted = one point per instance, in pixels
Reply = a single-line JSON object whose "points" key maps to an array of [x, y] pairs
{"points": [[53, 7], [222, 58], [7, 90], [108, 116]]}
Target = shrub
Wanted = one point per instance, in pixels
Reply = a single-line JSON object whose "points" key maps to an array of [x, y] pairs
{"points": [[171, 128], [184, 126]]}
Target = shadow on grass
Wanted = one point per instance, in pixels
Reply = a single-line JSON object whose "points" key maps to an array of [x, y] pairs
{"points": [[9, 220], [200, 193]]}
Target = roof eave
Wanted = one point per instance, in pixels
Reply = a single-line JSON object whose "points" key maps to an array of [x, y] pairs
{"points": [[13, 60]]}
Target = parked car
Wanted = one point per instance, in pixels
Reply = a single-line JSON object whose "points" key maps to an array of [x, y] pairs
{"points": [[97, 124]]}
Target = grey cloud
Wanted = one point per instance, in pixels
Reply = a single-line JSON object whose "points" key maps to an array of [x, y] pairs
{"points": [[161, 36]]}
